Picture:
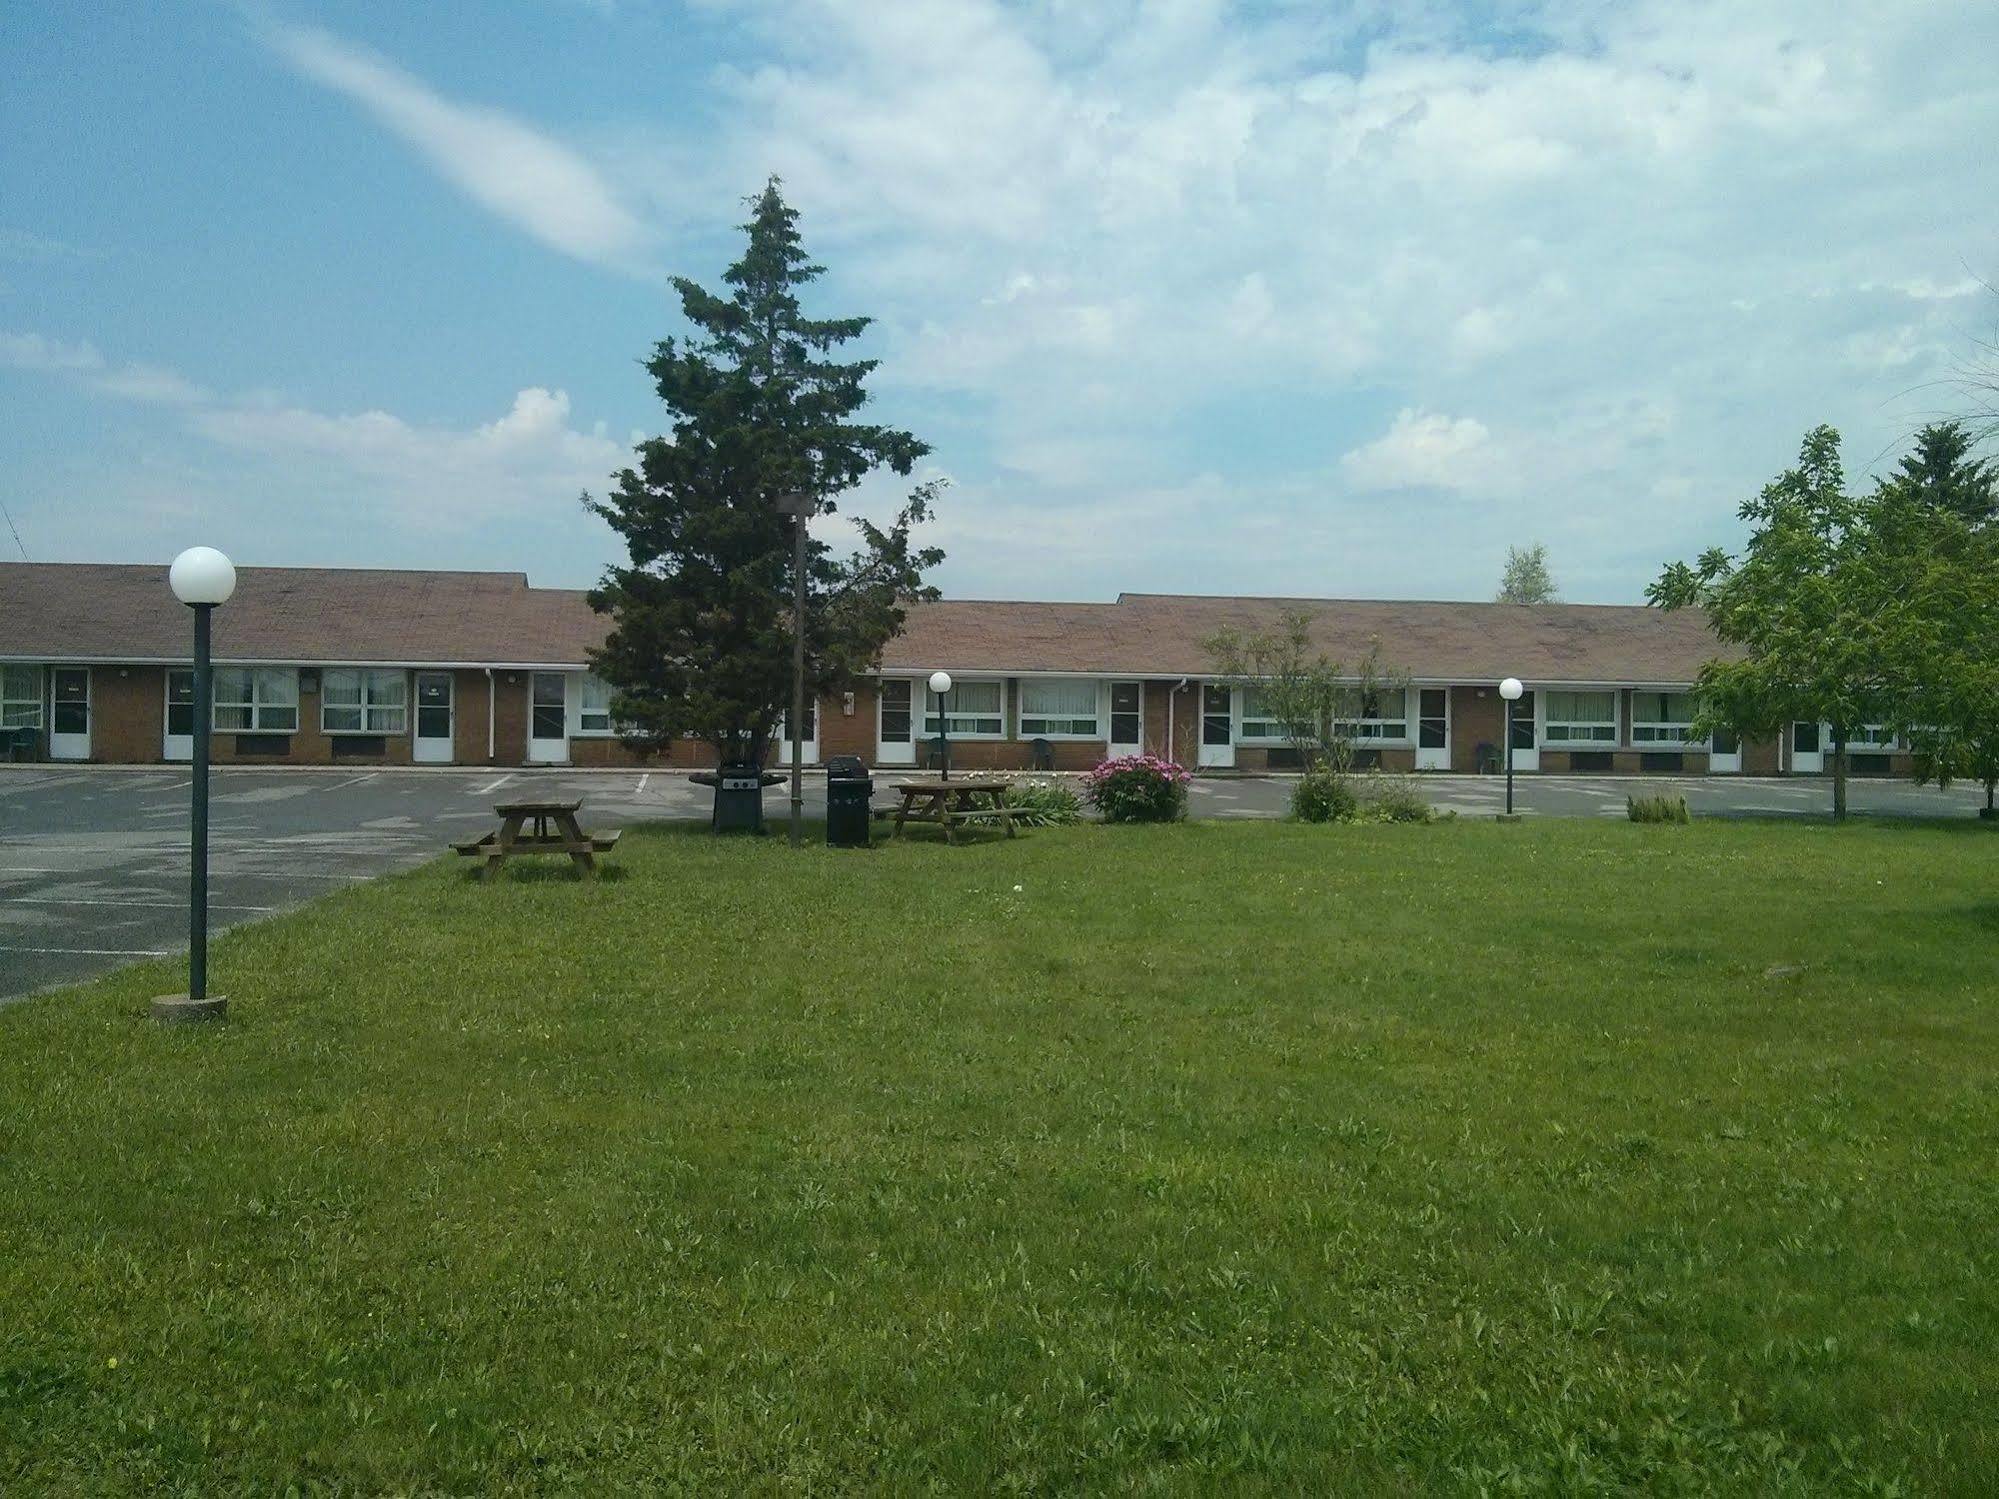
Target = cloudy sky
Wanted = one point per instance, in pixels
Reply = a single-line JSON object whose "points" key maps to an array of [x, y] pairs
{"points": [[1283, 297]]}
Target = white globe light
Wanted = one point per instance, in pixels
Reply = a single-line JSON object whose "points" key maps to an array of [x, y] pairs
{"points": [[202, 575], [940, 682], [1511, 689]]}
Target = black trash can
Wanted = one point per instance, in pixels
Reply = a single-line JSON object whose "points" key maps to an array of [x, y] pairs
{"points": [[739, 796], [850, 792]]}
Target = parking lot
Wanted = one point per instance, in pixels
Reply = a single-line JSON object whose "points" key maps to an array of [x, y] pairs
{"points": [[93, 860]]}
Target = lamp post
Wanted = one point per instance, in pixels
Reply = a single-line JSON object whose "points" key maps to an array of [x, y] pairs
{"points": [[799, 506], [940, 683], [1510, 689], [201, 578]]}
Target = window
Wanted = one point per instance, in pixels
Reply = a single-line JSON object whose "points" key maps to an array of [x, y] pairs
{"points": [[1804, 738], [969, 708], [1521, 717], [1215, 714], [260, 699], [1381, 714], [1582, 718], [1260, 721], [1661, 717], [20, 697], [180, 703], [1871, 736], [1058, 710], [548, 710], [594, 715], [353, 701]]}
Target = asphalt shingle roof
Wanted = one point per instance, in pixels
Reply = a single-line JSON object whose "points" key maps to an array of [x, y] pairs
{"points": [[88, 611]]}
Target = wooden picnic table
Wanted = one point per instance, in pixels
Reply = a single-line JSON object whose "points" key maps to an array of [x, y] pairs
{"points": [[555, 832], [951, 804]]}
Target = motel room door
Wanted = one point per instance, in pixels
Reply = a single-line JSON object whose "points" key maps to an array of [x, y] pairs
{"points": [[1807, 748], [1217, 726], [433, 742], [1526, 738], [1127, 719], [548, 718], [69, 722], [808, 740], [178, 742], [1725, 756], [895, 725], [1433, 728]]}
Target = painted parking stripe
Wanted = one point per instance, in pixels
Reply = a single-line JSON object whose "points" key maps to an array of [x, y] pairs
{"points": [[99, 952], [493, 786], [154, 905]]}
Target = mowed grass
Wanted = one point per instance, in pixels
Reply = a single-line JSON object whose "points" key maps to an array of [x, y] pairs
{"points": [[1566, 1155]]}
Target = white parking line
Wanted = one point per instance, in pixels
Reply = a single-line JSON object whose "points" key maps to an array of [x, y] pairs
{"points": [[157, 905], [357, 780], [99, 952], [642, 784], [494, 786]]}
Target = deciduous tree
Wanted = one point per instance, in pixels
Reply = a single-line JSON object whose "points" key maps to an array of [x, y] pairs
{"points": [[1526, 579]]}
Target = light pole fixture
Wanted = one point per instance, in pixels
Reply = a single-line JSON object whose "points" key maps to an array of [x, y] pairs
{"points": [[940, 683], [201, 578], [800, 507], [1510, 689]]}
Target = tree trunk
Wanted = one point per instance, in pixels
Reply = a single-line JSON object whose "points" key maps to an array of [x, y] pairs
{"points": [[1838, 773]]}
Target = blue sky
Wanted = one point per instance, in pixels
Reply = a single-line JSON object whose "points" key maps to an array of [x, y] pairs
{"points": [[1284, 297]]}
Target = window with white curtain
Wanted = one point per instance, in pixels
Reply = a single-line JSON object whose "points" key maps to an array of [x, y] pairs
{"points": [[357, 700], [1661, 717], [1581, 718], [971, 709], [20, 697], [1058, 710], [593, 716], [1382, 713], [256, 699]]}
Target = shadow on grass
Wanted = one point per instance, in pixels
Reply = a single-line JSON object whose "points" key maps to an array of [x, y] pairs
{"points": [[539, 870]]}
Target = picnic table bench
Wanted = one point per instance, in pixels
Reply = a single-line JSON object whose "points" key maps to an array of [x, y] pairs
{"points": [[555, 831], [952, 804]]}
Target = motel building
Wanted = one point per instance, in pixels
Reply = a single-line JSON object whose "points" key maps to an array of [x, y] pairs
{"points": [[319, 666]]}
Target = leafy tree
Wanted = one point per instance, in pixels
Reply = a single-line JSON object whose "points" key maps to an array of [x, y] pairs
{"points": [[1527, 579], [1936, 575], [1318, 701], [702, 612], [1802, 603]]}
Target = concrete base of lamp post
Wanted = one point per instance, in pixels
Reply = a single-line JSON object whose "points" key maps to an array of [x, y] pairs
{"points": [[1506, 817], [1988, 814], [179, 1009]]}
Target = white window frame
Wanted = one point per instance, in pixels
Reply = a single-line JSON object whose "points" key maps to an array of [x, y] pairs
{"points": [[1869, 739], [1375, 730], [13, 703], [1266, 722], [1552, 728], [1368, 731], [394, 717], [587, 685], [1649, 732], [930, 718], [1097, 730], [259, 703]]}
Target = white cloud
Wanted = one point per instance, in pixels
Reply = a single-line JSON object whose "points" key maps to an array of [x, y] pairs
{"points": [[149, 383], [507, 167], [1423, 450]]}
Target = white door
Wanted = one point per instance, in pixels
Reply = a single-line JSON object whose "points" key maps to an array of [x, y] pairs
{"points": [[1526, 735], [178, 743], [1807, 748], [548, 718], [1127, 719], [69, 720], [1725, 757], [808, 744], [895, 723], [1433, 728], [435, 728], [1217, 726]]}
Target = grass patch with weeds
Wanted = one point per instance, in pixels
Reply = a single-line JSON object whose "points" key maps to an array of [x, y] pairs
{"points": [[1264, 1156]]}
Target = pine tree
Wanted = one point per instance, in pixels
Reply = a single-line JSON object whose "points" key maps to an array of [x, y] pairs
{"points": [[1941, 472], [701, 636]]}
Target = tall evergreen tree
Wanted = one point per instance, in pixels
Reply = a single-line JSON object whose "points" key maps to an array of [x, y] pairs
{"points": [[1940, 472], [701, 637]]}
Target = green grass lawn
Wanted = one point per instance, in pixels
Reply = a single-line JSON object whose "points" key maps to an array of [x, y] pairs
{"points": [[1247, 1156]]}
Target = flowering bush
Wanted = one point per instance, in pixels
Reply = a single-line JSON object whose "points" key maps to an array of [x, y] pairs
{"points": [[1138, 788]]}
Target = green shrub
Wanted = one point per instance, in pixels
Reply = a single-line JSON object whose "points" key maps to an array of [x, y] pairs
{"points": [[1044, 803], [1391, 798], [1323, 795], [1657, 809], [1138, 788]]}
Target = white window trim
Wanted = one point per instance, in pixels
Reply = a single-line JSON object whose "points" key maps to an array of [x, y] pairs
{"points": [[1666, 734], [36, 675], [1364, 732], [1101, 716], [925, 733], [572, 698], [216, 702], [367, 703], [1548, 728]]}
